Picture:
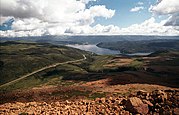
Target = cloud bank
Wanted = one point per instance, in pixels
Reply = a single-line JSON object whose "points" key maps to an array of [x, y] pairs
{"points": [[72, 17]]}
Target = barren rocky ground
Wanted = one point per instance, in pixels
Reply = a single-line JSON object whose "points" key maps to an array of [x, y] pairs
{"points": [[157, 102]]}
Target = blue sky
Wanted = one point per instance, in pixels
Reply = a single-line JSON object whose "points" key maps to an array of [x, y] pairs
{"points": [[86, 17], [123, 17]]}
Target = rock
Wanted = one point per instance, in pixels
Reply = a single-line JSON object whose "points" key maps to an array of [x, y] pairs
{"points": [[143, 94], [123, 101], [102, 100], [31, 112], [176, 111], [67, 102], [124, 113], [88, 113], [33, 104], [169, 103], [57, 103], [134, 101], [165, 111], [159, 96], [148, 103], [158, 103], [142, 109], [135, 105], [170, 90], [97, 100]]}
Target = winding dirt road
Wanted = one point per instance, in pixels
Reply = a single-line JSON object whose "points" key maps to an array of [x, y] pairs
{"points": [[42, 69]]}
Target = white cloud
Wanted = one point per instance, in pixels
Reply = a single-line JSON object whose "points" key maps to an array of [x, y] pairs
{"points": [[166, 7], [53, 11], [13, 33], [86, 1], [51, 16], [148, 27], [136, 9], [87, 16], [61, 17], [28, 24], [110, 29], [46, 10], [140, 3]]}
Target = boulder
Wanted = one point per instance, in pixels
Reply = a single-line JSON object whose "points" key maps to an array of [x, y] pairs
{"points": [[135, 105]]}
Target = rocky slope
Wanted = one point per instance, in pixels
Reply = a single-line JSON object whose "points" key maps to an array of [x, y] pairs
{"points": [[157, 102]]}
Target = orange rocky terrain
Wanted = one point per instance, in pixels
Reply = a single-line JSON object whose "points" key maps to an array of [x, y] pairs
{"points": [[142, 102], [117, 94]]}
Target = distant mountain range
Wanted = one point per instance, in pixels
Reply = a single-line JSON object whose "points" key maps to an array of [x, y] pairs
{"points": [[87, 39]]}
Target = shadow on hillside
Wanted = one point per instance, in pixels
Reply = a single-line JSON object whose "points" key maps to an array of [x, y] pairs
{"points": [[58, 93], [129, 77], [144, 78]]}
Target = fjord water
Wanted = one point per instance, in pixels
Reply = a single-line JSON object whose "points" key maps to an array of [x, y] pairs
{"points": [[91, 41], [95, 49], [102, 51]]}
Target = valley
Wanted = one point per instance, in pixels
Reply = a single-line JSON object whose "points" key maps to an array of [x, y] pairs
{"points": [[42, 72], [89, 57]]}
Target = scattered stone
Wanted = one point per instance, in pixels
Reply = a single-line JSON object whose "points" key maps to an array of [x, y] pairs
{"points": [[155, 103], [135, 105], [148, 103], [176, 111], [159, 96]]}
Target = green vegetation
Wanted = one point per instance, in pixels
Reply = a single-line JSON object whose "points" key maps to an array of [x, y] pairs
{"points": [[97, 95], [136, 64], [18, 59], [172, 53], [172, 58], [52, 76], [99, 62], [71, 93], [141, 45]]}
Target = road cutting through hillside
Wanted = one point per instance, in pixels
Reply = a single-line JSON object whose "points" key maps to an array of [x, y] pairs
{"points": [[42, 69]]}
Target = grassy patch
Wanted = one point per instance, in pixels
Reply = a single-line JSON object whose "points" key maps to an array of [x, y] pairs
{"points": [[97, 95], [136, 64], [99, 62], [52, 76], [18, 59], [71, 93]]}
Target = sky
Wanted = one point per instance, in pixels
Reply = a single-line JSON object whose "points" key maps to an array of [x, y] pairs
{"points": [[19, 18]]}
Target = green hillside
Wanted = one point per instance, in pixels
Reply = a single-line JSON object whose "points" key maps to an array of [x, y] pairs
{"points": [[141, 45], [18, 58]]}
